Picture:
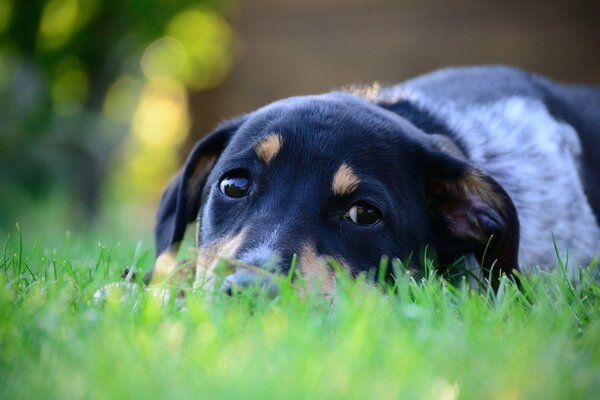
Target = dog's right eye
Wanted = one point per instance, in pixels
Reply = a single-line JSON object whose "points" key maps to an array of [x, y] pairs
{"points": [[234, 184]]}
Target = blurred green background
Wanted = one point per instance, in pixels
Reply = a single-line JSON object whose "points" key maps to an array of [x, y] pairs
{"points": [[100, 100]]}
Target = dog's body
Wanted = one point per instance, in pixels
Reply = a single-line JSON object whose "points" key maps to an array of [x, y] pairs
{"points": [[539, 140], [489, 162]]}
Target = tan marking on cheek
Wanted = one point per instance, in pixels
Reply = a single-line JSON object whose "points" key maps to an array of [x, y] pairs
{"points": [[268, 148], [316, 272], [344, 181], [209, 256]]}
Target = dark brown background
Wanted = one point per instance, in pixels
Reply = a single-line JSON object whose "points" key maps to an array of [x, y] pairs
{"points": [[309, 46]]}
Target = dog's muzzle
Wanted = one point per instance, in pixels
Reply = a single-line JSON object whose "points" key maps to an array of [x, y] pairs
{"points": [[246, 280]]}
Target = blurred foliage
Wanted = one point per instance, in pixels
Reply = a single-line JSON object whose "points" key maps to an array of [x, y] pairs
{"points": [[96, 90]]}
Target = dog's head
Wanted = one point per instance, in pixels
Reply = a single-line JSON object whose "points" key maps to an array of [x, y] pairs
{"points": [[338, 176]]}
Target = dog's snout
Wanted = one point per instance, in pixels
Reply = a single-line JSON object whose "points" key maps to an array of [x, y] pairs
{"points": [[244, 279]]}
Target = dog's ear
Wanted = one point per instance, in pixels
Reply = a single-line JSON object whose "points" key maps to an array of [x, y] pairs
{"points": [[469, 211], [180, 202]]}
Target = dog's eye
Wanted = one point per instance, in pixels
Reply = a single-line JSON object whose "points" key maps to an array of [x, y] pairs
{"points": [[235, 184], [363, 214]]}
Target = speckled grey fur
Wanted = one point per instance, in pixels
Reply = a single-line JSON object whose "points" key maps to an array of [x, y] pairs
{"points": [[534, 156]]}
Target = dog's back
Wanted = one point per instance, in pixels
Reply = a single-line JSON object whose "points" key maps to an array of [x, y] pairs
{"points": [[538, 139], [580, 107]]}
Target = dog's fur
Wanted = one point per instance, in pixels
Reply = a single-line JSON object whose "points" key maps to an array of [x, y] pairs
{"points": [[491, 163]]}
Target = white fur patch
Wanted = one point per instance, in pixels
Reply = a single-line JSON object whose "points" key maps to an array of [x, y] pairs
{"points": [[536, 160], [264, 253]]}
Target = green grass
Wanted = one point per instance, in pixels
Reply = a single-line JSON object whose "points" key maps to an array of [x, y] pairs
{"points": [[419, 340]]}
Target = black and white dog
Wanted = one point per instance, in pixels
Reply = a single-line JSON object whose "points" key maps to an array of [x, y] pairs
{"points": [[491, 163]]}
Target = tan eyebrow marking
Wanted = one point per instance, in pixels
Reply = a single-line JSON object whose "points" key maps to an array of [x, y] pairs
{"points": [[268, 147], [344, 181]]}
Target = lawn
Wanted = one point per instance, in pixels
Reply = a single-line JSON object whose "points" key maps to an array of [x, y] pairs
{"points": [[422, 339]]}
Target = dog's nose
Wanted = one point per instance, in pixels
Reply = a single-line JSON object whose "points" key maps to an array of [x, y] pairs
{"points": [[244, 279]]}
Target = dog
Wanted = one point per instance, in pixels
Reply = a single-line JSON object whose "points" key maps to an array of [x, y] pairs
{"points": [[489, 163]]}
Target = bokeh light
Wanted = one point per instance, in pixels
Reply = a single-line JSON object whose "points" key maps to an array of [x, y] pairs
{"points": [[163, 59], [194, 53], [58, 22], [5, 14], [122, 99], [207, 39], [161, 118], [94, 97], [69, 86], [143, 172]]}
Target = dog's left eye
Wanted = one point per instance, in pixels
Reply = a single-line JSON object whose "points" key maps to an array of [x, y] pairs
{"points": [[234, 184], [363, 214]]}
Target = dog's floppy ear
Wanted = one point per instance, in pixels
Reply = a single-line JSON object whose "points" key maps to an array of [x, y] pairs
{"points": [[469, 211], [180, 202]]}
